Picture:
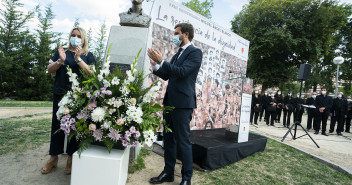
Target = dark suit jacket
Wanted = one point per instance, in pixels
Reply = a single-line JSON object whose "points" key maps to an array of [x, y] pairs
{"points": [[321, 101], [339, 105], [265, 99], [288, 101], [182, 75]]}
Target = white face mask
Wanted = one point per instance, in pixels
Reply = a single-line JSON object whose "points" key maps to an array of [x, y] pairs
{"points": [[297, 95], [340, 95], [256, 92], [314, 96], [289, 94], [323, 92], [349, 100], [279, 93], [266, 93]]}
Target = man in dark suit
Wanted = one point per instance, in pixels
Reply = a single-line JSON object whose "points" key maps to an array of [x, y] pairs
{"points": [[338, 114], [349, 114], [311, 111], [181, 74], [264, 100], [323, 104], [298, 109]]}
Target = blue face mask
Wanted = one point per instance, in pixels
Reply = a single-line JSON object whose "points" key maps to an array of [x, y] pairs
{"points": [[75, 41], [176, 40]]}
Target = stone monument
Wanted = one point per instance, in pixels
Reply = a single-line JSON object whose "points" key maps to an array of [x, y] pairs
{"points": [[134, 16]]}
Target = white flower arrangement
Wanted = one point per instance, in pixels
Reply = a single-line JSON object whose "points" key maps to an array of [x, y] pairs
{"points": [[99, 108]]}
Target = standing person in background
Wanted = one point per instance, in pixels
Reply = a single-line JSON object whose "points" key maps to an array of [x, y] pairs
{"points": [[255, 108], [311, 111], [298, 109], [77, 58], [288, 109], [280, 104], [349, 114], [271, 110], [338, 113], [323, 104], [264, 101]]}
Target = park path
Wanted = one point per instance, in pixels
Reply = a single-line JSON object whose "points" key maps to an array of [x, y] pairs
{"points": [[7, 112]]}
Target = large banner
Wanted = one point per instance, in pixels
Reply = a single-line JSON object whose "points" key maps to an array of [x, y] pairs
{"points": [[225, 56]]}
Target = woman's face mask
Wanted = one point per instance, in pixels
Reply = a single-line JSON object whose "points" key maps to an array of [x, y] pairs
{"points": [[75, 41], [279, 93]]}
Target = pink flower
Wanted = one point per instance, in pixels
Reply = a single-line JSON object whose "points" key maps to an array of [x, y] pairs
{"points": [[92, 127], [66, 111], [92, 105], [119, 121], [133, 101]]}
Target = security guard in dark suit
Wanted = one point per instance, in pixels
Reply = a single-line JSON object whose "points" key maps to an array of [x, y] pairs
{"points": [[288, 108], [311, 111], [271, 110], [256, 106], [298, 109], [264, 98], [280, 105], [349, 114], [338, 114], [323, 104]]}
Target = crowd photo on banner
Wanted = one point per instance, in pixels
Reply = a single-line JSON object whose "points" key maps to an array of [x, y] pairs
{"points": [[218, 100], [278, 109]]}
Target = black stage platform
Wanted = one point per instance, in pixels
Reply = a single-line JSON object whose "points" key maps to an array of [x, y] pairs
{"points": [[211, 150]]}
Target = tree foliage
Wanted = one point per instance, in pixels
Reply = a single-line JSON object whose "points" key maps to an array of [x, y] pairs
{"points": [[100, 46], [201, 8], [47, 42], [16, 50], [346, 52], [24, 54], [286, 33]]}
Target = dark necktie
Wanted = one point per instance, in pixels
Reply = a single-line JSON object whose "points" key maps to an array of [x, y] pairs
{"points": [[177, 55]]}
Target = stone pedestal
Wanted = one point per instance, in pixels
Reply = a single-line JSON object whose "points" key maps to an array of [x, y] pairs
{"points": [[126, 42], [97, 166]]}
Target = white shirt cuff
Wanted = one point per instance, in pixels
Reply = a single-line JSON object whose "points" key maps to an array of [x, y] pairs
{"points": [[158, 66]]}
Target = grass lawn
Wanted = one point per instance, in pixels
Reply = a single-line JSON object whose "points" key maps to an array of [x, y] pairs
{"points": [[6, 103], [278, 164], [20, 134]]}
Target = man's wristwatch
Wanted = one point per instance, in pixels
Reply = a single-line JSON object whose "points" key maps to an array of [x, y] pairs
{"points": [[59, 62], [79, 60]]}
